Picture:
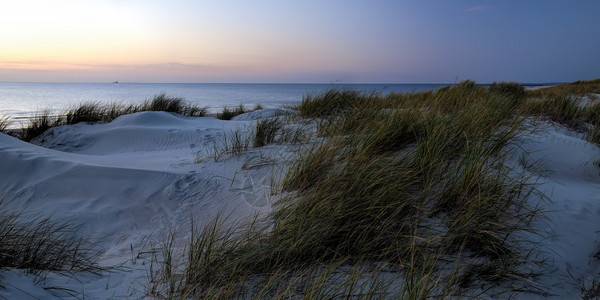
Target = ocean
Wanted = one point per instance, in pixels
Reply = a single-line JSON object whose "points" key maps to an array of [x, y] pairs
{"points": [[21, 100]]}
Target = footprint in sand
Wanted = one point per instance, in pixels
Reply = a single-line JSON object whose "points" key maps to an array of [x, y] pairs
{"points": [[185, 182], [208, 139]]}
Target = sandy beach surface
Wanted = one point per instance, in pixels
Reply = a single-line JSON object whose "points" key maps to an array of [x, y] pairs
{"points": [[130, 182]]}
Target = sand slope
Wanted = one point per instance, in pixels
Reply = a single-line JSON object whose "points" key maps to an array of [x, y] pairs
{"points": [[131, 181], [134, 178]]}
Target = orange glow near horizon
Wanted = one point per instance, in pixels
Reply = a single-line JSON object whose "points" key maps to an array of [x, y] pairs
{"points": [[295, 41], [141, 36], [52, 35]]}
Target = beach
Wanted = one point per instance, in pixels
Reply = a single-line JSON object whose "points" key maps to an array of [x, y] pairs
{"points": [[133, 183]]}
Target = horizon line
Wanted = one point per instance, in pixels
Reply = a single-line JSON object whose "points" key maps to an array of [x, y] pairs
{"points": [[298, 83]]}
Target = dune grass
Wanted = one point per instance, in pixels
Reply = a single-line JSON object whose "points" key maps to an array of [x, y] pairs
{"points": [[87, 112], [233, 142], [228, 113], [564, 109], [381, 179], [594, 135], [414, 182], [574, 88], [39, 123], [562, 103], [177, 105], [4, 122], [508, 89], [266, 130], [591, 113], [331, 102], [95, 112], [405, 196], [39, 245]]}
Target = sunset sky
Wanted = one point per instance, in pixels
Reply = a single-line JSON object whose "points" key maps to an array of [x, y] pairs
{"points": [[395, 41]]}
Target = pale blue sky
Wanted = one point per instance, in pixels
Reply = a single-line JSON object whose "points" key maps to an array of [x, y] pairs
{"points": [[299, 41]]}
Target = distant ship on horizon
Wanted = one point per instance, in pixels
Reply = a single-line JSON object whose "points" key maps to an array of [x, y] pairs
{"points": [[116, 81]]}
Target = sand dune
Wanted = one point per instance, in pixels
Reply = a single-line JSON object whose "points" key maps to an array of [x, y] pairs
{"points": [[139, 176], [132, 178]]}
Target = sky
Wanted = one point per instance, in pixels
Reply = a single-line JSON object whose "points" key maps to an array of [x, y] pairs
{"points": [[308, 41]]}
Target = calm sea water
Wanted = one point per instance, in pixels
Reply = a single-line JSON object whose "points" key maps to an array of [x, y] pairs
{"points": [[21, 100]]}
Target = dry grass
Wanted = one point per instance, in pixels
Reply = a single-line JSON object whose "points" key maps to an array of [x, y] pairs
{"points": [[564, 109], [406, 196], [266, 131], [39, 123], [228, 113], [573, 88], [39, 245], [4, 122], [414, 182], [95, 112]]}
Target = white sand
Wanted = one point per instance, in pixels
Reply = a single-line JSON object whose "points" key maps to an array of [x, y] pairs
{"points": [[131, 181]]}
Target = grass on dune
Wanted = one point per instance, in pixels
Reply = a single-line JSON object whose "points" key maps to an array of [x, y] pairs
{"points": [[39, 244], [266, 131], [4, 122], [591, 113], [594, 135], [407, 165], [562, 103], [413, 182], [228, 113], [233, 142], [87, 112], [508, 89], [163, 103], [331, 102], [404, 196], [564, 109], [39, 123], [177, 105], [94, 112], [581, 88]]}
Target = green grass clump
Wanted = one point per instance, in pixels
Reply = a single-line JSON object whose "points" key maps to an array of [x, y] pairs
{"points": [[39, 244], [228, 113], [592, 113], [407, 183], [579, 88], [233, 142], [177, 105], [39, 124], [562, 103], [86, 112], [95, 112], [221, 262], [564, 109], [594, 135], [367, 193], [331, 102], [4, 122], [163, 103], [266, 130], [511, 89], [392, 173]]}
